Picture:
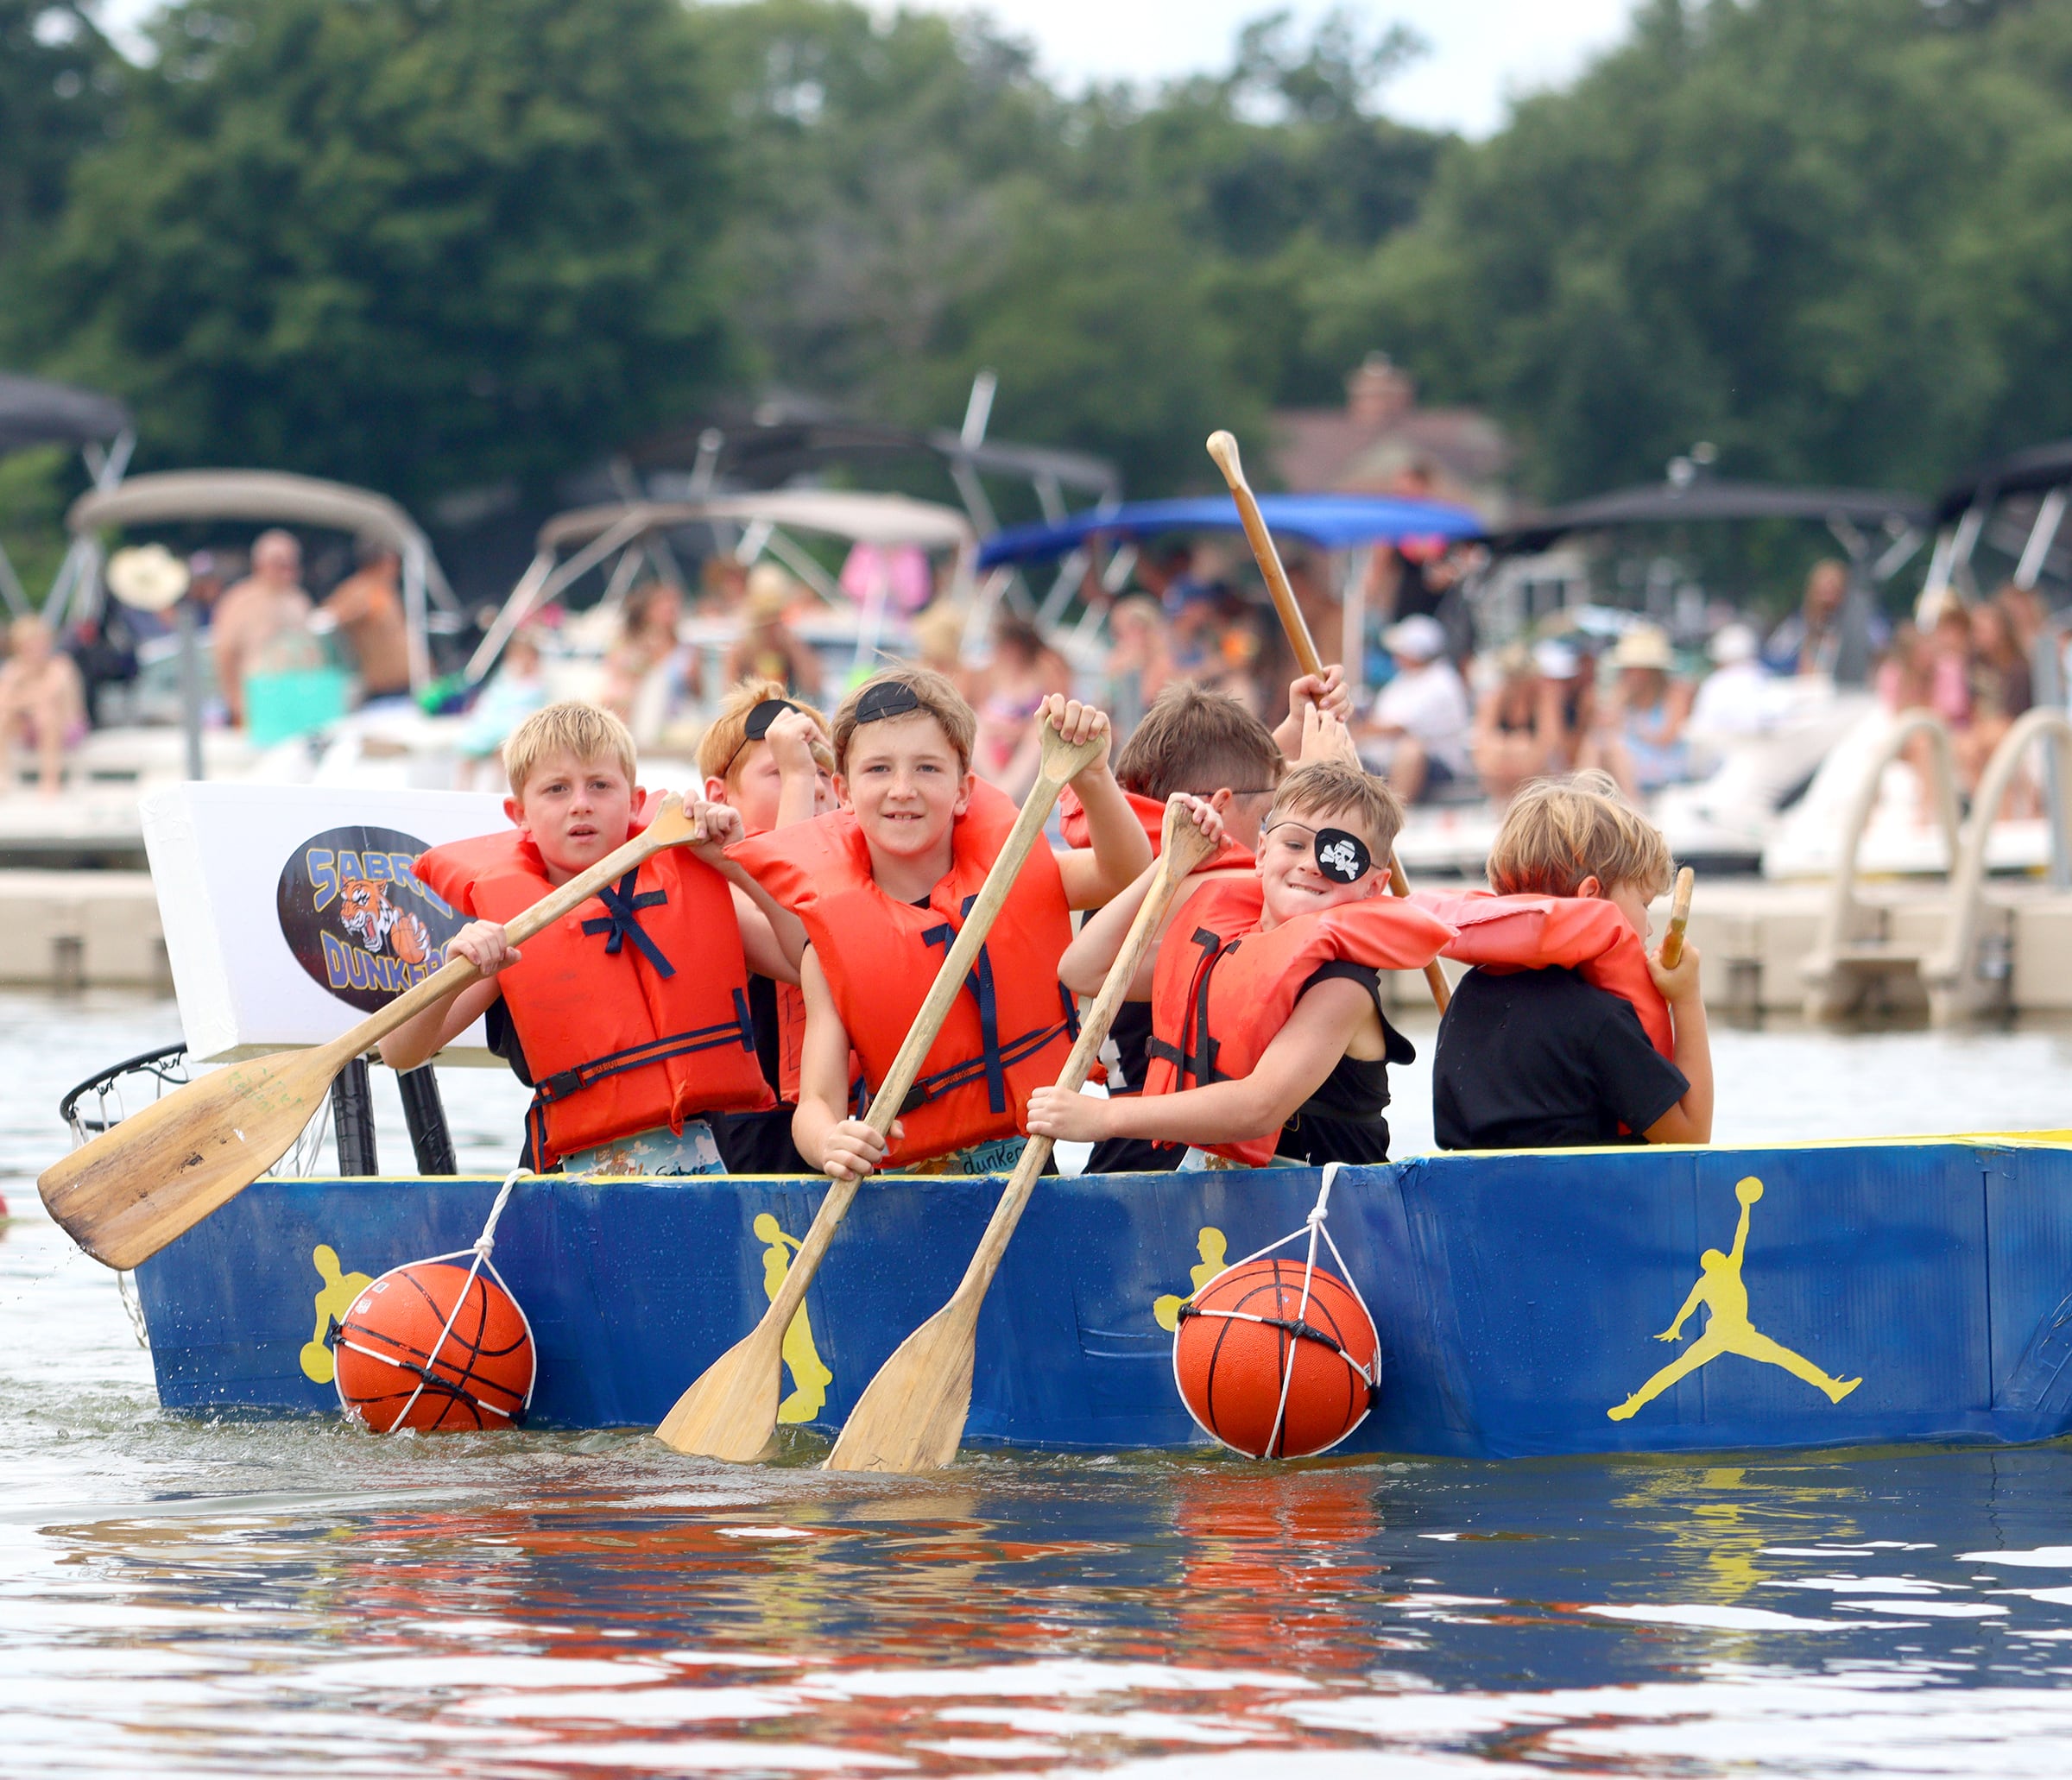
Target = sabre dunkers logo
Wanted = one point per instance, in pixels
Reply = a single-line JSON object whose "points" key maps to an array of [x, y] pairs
{"points": [[356, 919]]}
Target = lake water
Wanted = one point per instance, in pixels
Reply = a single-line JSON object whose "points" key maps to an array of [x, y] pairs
{"points": [[205, 1598]]}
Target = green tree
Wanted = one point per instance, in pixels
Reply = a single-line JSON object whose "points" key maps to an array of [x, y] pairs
{"points": [[57, 81], [415, 243], [1833, 235]]}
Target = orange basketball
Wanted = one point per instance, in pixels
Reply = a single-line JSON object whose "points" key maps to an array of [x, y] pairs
{"points": [[389, 1346], [1248, 1332]]}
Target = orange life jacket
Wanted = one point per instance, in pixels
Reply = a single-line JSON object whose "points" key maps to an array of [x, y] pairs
{"points": [[1585, 934], [1222, 990], [632, 1016], [1072, 820], [1007, 1035]]}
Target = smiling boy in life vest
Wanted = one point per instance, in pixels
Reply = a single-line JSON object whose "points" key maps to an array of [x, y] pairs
{"points": [[772, 758], [629, 1016], [882, 888], [1568, 1031], [1212, 747], [1268, 1038]]}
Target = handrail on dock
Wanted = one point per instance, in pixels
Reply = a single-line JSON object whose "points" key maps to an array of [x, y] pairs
{"points": [[1844, 923], [1949, 975]]}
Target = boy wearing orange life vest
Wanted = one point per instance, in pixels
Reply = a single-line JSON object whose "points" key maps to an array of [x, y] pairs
{"points": [[629, 1017], [1268, 1038], [772, 758], [1569, 1032], [883, 884]]}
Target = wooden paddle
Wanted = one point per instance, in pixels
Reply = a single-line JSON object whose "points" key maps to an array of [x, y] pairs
{"points": [[159, 1173], [730, 1412], [1679, 919], [912, 1415], [1223, 448]]}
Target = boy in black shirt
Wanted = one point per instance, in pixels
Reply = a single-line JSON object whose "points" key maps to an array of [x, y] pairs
{"points": [[1551, 1051]]}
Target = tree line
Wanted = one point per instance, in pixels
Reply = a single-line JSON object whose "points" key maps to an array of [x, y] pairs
{"points": [[430, 245]]}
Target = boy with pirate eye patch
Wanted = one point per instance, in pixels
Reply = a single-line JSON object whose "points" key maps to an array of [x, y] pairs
{"points": [[1268, 1040], [882, 888], [772, 758], [629, 1018]]}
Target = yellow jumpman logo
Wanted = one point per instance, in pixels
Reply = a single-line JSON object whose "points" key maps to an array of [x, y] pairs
{"points": [[1727, 1330], [1212, 1246], [810, 1375]]}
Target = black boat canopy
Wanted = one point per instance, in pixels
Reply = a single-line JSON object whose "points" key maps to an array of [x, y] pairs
{"points": [[1710, 499], [2039, 467], [33, 411]]}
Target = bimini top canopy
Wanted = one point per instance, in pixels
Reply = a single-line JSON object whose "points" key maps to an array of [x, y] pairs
{"points": [[2045, 466], [261, 495], [32, 413], [861, 518], [1329, 521], [1710, 499]]}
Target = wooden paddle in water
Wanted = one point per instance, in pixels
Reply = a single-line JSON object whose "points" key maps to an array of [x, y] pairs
{"points": [[730, 1412], [159, 1173], [912, 1415], [1679, 919], [1223, 448]]}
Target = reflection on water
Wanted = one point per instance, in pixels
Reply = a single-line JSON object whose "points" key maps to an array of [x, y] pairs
{"points": [[233, 1598]]}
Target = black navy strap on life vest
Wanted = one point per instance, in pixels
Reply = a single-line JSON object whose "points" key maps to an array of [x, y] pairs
{"points": [[1196, 1054], [995, 1057], [621, 920]]}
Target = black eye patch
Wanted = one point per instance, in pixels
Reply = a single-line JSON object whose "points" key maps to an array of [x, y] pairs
{"points": [[886, 698], [757, 728], [1341, 857]]}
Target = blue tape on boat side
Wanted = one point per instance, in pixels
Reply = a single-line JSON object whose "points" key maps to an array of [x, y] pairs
{"points": [[1523, 1300]]}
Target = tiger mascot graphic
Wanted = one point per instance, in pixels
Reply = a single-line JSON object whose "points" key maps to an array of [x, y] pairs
{"points": [[366, 913]]}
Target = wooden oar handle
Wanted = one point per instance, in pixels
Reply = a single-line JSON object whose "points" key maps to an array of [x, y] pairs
{"points": [[1679, 919]]}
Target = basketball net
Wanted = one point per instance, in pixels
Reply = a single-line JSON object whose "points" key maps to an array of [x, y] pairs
{"points": [[1298, 1328], [478, 1259]]}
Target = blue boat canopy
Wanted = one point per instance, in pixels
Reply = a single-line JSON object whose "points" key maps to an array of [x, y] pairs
{"points": [[1329, 521]]}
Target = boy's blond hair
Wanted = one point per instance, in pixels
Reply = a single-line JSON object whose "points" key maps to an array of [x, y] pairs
{"points": [[932, 693], [1559, 831], [719, 749], [1194, 740], [1333, 788], [571, 726]]}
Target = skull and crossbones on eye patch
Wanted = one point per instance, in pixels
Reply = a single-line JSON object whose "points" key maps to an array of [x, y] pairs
{"points": [[1341, 857]]}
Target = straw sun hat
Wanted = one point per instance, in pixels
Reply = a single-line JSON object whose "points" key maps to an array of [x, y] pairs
{"points": [[147, 578]]}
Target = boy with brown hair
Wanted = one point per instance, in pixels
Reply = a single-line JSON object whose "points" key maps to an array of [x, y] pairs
{"points": [[882, 886], [1268, 1037], [770, 757], [1569, 1032], [631, 1024]]}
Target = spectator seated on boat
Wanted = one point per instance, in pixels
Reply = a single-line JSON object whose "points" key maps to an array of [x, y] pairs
{"points": [[1568, 1031], [1739, 697], [1418, 732], [629, 1018], [1810, 641], [773, 760], [1519, 733], [1268, 1038], [883, 884], [767, 649], [367, 608], [42, 704], [1138, 667], [1639, 737], [649, 675], [262, 625], [1024, 672], [512, 694]]}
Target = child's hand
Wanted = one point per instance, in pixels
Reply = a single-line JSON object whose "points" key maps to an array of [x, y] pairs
{"points": [[721, 825], [1325, 692], [1680, 984], [855, 1149], [1078, 724], [484, 945], [1324, 737], [1203, 815], [791, 735], [1066, 1115]]}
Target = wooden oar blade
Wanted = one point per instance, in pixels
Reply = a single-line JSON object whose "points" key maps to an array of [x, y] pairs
{"points": [[731, 1412], [912, 1415], [129, 1192]]}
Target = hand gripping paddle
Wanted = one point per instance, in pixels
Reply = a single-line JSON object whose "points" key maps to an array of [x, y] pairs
{"points": [[912, 1415], [1223, 448], [159, 1173], [730, 1412], [1679, 919]]}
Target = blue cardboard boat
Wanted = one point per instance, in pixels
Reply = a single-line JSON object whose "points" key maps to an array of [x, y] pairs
{"points": [[1869, 1293]]}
